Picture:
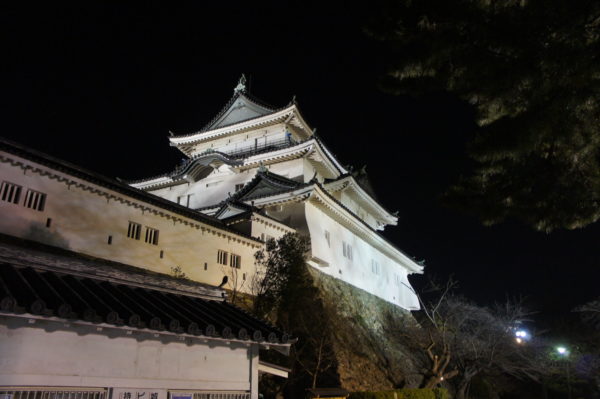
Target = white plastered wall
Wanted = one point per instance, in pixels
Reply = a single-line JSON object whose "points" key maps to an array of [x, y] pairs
{"points": [[82, 221], [33, 356], [391, 281]]}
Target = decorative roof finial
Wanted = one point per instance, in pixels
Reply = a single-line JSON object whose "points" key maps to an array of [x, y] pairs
{"points": [[241, 86], [262, 168]]}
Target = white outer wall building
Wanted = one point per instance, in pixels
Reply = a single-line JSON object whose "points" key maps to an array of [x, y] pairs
{"points": [[83, 216], [81, 357]]}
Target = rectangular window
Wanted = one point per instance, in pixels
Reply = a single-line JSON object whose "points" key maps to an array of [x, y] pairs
{"points": [[375, 267], [35, 200], [109, 241], [238, 187], [222, 257], [10, 192], [328, 238], [151, 236], [205, 266], [48, 222], [133, 231], [236, 261], [162, 254], [347, 250]]}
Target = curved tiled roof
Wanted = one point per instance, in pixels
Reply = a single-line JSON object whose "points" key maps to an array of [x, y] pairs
{"points": [[188, 164]]}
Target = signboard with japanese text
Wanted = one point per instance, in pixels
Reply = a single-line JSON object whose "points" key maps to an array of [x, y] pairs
{"points": [[138, 393]]}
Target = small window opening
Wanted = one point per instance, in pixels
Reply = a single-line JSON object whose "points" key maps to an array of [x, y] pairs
{"points": [[35, 200], [235, 261], [222, 257], [10, 192], [134, 230]]}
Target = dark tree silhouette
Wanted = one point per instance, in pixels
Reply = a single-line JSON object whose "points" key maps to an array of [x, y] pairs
{"points": [[284, 292], [530, 69]]}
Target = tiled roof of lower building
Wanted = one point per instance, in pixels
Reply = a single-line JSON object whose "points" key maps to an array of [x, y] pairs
{"points": [[45, 284]]}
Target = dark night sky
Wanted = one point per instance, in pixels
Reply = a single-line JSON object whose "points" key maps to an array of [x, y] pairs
{"points": [[102, 85]]}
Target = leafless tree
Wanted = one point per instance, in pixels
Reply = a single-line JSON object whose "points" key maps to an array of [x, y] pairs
{"points": [[590, 312], [235, 281], [464, 340], [315, 355]]}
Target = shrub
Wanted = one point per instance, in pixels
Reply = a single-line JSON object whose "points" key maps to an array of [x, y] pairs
{"points": [[441, 393], [405, 393], [416, 393]]}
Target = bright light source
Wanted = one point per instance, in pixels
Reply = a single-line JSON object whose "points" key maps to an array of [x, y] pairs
{"points": [[521, 334], [519, 340], [561, 350]]}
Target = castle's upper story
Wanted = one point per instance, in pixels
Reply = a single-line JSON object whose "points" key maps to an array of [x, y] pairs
{"points": [[245, 125], [245, 136]]}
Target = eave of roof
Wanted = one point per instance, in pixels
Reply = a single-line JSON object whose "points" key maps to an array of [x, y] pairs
{"points": [[278, 116], [179, 174], [367, 198], [305, 191]]}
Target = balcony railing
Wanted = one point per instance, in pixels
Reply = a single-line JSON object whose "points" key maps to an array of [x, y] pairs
{"points": [[261, 148]]}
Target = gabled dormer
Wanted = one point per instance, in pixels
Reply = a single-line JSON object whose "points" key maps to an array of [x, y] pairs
{"points": [[241, 107]]}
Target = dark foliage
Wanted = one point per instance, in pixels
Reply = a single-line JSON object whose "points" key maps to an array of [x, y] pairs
{"points": [[405, 393], [530, 69], [285, 294]]}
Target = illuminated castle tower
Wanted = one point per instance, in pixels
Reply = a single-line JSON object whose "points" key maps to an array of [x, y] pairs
{"points": [[263, 172]]}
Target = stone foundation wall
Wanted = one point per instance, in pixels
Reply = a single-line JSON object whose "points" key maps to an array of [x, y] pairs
{"points": [[367, 337]]}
